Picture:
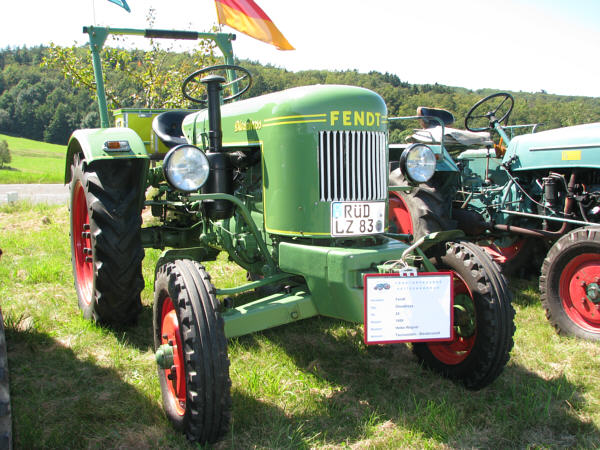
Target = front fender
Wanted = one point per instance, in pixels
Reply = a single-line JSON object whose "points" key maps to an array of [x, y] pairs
{"points": [[90, 142]]}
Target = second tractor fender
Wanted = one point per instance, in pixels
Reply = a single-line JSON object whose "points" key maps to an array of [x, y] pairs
{"points": [[93, 144]]}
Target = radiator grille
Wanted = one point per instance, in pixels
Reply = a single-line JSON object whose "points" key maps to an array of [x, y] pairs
{"points": [[352, 165]]}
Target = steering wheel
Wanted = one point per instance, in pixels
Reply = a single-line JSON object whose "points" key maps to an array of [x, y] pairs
{"points": [[194, 90], [474, 120]]}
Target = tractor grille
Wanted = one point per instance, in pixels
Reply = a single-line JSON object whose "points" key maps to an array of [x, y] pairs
{"points": [[352, 165]]}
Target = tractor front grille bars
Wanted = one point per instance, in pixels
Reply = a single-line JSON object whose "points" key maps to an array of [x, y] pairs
{"points": [[352, 165]]}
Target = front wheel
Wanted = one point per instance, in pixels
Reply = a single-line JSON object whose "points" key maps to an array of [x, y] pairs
{"points": [[483, 320], [570, 284], [191, 352]]}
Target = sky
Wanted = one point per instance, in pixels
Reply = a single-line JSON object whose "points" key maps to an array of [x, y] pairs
{"points": [[517, 45]]}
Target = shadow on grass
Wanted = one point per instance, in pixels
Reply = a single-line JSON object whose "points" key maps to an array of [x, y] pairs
{"points": [[381, 392], [139, 335], [384, 394], [525, 291], [10, 169], [64, 400]]}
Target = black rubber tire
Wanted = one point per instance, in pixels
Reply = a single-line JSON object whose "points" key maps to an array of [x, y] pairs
{"points": [[111, 193], [428, 208], [494, 318], [5, 409], [562, 254], [207, 409]]}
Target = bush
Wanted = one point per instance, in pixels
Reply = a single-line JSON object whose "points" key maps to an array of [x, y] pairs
{"points": [[5, 157]]}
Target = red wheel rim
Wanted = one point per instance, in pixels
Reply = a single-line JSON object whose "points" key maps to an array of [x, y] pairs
{"points": [[174, 376], [502, 255], [455, 351], [82, 244], [400, 215], [580, 272]]}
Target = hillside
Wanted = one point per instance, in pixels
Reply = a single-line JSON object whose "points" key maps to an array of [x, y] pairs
{"points": [[33, 161], [38, 103]]}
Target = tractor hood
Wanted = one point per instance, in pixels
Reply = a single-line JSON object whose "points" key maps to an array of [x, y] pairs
{"points": [[577, 146], [319, 107], [318, 145]]}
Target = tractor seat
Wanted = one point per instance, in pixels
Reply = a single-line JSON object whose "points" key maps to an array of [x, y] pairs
{"points": [[442, 114], [452, 137], [167, 127], [432, 131]]}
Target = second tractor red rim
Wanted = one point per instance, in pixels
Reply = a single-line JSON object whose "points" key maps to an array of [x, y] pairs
{"points": [[578, 274]]}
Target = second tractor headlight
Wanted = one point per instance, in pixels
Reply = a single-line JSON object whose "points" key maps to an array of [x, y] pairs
{"points": [[417, 163], [186, 168]]}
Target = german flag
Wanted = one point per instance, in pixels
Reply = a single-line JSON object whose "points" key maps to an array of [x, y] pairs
{"points": [[247, 17]]}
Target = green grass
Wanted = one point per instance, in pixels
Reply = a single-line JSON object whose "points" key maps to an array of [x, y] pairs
{"points": [[312, 384], [33, 162]]}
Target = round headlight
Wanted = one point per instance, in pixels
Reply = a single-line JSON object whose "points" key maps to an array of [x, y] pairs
{"points": [[417, 162], [186, 168]]}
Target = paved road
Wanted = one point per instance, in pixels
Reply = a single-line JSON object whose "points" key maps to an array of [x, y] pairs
{"points": [[36, 193]]}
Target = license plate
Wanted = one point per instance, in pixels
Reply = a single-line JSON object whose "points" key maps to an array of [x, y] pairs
{"points": [[408, 308], [357, 218]]}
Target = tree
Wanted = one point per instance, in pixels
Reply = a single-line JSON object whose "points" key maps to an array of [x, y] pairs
{"points": [[60, 126], [150, 79], [5, 157]]}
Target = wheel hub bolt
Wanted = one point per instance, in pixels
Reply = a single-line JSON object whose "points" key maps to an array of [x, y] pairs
{"points": [[164, 356], [593, 292], [172, 374]]}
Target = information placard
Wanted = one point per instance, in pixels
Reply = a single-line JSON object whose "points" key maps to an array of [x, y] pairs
{"points": [[408, 308]]}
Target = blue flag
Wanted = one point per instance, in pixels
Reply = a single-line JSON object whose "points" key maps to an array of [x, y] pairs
{"points": [[122, 3]]}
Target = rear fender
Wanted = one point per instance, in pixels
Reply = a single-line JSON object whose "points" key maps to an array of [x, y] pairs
{"points": [[91, 142]]}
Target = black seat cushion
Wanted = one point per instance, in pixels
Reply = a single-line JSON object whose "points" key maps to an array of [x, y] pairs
{"points": [[167, 127], [445, 116]]}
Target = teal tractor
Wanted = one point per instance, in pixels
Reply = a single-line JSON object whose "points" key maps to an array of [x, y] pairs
{"points": [[531, 197], [293, 187]]}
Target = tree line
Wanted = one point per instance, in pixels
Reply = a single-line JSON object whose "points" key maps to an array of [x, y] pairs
{"points": [[41, 97]]}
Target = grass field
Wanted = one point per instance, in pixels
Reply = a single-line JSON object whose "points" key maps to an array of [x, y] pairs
{"points": [[312, 384], [33, 162]]}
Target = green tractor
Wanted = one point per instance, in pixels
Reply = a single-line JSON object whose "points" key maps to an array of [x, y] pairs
{"points": [[537, 194], [293, 187]]}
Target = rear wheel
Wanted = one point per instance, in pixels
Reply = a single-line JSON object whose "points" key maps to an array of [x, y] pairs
{"points": [[483, 320], [106, 248], [570, 284], [191, 351]]}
